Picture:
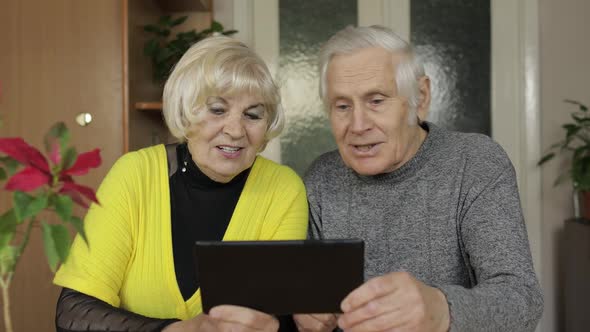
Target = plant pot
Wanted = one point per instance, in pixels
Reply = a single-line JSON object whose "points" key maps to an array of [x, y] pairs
{"points": [[582, 204]]}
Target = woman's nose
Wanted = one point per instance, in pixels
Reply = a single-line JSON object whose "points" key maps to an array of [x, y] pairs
{"points": [[234, 127]]}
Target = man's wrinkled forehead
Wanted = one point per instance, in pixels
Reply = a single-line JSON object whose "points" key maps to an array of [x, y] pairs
{"points": [[366, 67]]}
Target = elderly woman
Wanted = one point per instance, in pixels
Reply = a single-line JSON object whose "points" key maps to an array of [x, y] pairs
{"points": [[138, 272]]}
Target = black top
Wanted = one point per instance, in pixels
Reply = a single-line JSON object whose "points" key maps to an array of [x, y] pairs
{"points": [[201, 210]]}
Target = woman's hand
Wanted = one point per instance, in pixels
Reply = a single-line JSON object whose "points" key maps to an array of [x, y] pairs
{"points": [[227, 318], [315, 322]]}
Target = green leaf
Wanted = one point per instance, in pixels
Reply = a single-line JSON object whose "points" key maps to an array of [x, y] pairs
{"points": [[150, 47], [26, 206], [151, 28], [49, 246], [7, 227], [178, 21], [10, 164], [56, 241], [3, 175], [60, 132], [229, 32], [79, 227], [8, 258], [165, 20], [68, 158], [63, 207], [216, 26], [546, 158]]}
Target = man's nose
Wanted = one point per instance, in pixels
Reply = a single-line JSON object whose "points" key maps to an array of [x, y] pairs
{"points": [[234, 127], [361, 121]]}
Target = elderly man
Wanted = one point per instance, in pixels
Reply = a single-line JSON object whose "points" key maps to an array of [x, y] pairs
{"points": [[445, 241]]}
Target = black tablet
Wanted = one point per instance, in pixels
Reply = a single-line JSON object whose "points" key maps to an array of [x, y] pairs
{"points": [[279, 277]]}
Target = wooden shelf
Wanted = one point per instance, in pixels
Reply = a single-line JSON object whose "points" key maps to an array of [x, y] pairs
{"points": [[185, 5], [148, 106]]}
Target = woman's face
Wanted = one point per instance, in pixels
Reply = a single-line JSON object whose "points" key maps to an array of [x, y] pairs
{"points": [[228, 134]]}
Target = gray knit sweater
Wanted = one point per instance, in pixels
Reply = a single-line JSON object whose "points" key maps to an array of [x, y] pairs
{"points": [[451, 217]]}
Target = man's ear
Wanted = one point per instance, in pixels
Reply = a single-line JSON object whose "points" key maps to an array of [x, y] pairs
{"points": [[424, 104]]}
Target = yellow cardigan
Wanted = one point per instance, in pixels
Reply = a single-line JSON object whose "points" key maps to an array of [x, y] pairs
{"points": [[129, 262]]}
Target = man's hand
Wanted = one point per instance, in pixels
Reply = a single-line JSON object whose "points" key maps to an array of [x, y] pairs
{"points": [[395, 301], [228, 318], [315, 322]]}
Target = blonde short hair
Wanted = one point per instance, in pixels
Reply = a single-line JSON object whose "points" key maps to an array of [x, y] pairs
{"points": [[218, 66]]}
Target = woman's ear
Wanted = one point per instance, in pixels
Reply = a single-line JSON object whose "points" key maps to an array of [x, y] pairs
{"points": [[424, 104]]}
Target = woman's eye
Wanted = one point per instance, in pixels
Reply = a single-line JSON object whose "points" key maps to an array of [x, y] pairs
{"points": [[253, 116], [216, 110]]}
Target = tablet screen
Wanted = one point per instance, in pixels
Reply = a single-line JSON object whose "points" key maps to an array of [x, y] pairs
{"points": [[279, 277]]}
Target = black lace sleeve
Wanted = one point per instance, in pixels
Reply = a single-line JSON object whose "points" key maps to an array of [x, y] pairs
{"points": [[80, 312]]}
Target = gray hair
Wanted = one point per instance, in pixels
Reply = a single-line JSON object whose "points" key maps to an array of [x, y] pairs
{"points": [[352, 39], [218, 66]]}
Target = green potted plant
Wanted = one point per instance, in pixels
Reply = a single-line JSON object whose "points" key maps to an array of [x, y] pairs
{"points": [[41, 184], [576, 142], [165, 51]]}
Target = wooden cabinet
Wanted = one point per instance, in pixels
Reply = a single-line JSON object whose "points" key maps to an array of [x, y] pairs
{"points": [[577, 275], [145, 123]]}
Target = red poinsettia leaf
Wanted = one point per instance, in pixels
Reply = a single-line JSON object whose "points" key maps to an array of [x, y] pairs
{"points": [[19, 150], [55, 154], [75, 196], [84, 163], [83, 190], [28, 179]]}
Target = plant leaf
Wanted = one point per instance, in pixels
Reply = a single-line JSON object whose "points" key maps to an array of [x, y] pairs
{"points": [[546, 158], [8, 257], [7, 227], [56, 241], [216, 26], [63, 207], [69, 158], [2, 174], [79, 227], [58, 132], [49, 246], [19, 150], [151, 28], [27, 180], [26, 206], [10, 164], [150, 47], [165, 20], [178, 21], [83, 190], [84, 163]]}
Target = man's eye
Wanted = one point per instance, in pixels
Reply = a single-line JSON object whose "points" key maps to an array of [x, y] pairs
{"points": [[377, 101], [342, 107]]}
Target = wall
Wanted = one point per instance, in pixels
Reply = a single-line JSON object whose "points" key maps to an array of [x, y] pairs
{"points": [[565, 70]]}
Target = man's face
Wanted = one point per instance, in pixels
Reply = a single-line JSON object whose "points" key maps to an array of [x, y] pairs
{"points": [[374, 129]]}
